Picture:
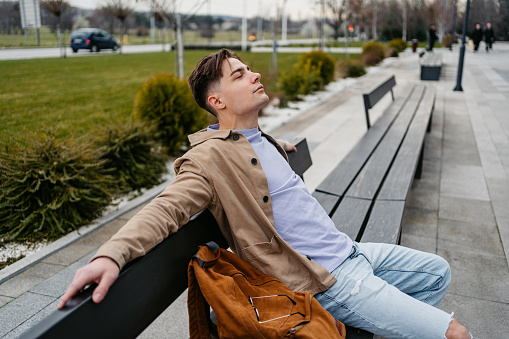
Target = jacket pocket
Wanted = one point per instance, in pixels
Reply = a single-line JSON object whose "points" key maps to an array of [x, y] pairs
{"points": [[260, 249], [276, 260]]}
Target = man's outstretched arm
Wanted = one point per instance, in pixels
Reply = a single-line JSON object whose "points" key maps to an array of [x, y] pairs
{"points": [[102, 271]]}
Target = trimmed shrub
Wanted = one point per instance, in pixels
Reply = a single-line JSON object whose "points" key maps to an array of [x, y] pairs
{"points": [[323, 62], [351, 68], [303, 80], [399, 44], [373, 52], [135, 159], [167, 102], [50, 187]]}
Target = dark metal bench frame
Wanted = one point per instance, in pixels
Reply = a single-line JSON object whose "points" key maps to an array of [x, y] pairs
{"points": [[377, 93]]}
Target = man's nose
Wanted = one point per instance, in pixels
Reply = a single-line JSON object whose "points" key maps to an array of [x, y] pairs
{"points": [[256, 77]]}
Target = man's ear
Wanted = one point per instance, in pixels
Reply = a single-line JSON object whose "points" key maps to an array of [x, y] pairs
{"points": [[215, 101]]}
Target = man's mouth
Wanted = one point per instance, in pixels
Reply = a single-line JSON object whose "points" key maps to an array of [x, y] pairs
{"points": [[259, 88]]}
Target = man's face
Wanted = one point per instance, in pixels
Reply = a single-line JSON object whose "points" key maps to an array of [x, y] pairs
{"points": [[478, 26], [488, 25], [241, 90]]}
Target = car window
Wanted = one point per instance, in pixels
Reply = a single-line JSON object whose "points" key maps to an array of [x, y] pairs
{"points": [[99, 34], [79, 34]]}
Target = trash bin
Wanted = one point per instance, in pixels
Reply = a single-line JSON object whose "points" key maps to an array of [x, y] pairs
{"points": [[414, 45]]}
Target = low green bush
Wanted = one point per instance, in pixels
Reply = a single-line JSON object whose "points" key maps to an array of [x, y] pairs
{"points": [[167, 103], [136, 160], [351, 68], [303, 80], [373, 52], [323, 62], [50, 187], [399, 44]]}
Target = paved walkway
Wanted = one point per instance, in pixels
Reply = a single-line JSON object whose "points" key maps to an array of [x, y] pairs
{"points": [[458, 209]]}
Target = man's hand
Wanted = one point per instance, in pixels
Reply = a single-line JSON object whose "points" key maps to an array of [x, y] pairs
{"points": [[287, 146], [103, 271]]}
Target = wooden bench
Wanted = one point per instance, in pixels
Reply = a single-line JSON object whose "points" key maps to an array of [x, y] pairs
{"points": [[431, 66], [364, 195]]}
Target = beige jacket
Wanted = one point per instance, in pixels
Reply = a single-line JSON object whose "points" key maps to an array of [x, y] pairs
{"points": [[220, 173]]}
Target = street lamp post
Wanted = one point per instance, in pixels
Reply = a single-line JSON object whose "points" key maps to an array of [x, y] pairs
{"points": [[462, 50]]}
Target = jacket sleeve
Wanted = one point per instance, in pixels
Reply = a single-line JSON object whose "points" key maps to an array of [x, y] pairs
{"points": [[190, 193]]}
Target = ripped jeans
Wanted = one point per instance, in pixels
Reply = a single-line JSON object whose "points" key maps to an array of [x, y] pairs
{"points": [[390, 290]]}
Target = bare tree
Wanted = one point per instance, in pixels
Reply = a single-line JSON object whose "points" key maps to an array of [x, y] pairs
{"points": [[170, 12], [57, 7], [10, 20], [336, 10], [120, 9]]}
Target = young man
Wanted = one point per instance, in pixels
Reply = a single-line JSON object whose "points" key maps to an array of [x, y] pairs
{"points": [[269, 219]]}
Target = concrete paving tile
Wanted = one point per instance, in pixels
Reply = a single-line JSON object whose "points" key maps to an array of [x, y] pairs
{"points": [[57, 284], [32, 321], [5, 300], [478, 275], [72, 253], [165, 325], [28, 279], [463, 181], [19, 310], [420, 221], [457, 235], [423, 197], [466, 210], [425, 244], [484, 319], [461, 156]]}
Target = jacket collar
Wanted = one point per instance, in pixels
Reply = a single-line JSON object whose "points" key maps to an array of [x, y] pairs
{"points": [[204, 135]]}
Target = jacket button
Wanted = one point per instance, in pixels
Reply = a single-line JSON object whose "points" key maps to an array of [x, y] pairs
{"points": [[254, 161], [235, 137], [265, 198]]}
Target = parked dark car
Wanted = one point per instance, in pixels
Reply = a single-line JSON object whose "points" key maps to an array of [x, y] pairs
{"points": [[93, 39]]}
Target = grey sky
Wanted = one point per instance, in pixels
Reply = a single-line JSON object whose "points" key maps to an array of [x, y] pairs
{"points": [[297, 9]]}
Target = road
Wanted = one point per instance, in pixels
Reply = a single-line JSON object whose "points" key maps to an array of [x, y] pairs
{"points": [[54, 52]]}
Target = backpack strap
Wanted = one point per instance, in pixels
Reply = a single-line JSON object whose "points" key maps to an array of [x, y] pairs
{"points": [[212, 246]]}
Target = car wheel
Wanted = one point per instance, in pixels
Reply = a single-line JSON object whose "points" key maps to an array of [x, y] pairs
{"points": [[94, 49], [74, 50], [115, 48]]}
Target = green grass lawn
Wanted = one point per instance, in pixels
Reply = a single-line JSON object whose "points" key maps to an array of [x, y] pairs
{"points": [[76, 94]]}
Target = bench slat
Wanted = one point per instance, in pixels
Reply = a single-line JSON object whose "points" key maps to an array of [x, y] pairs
{"points": [[350, 216], [339, 180], [384, 224], [374, 95], [367, 183], [400, 178]]}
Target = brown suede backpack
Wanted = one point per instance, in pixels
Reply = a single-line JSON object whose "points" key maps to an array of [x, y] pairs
{"points": [[248, 303]]}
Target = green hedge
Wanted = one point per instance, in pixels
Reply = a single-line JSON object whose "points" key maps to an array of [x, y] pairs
{"points": [[373, 52], [50, 187], [168, 104]]}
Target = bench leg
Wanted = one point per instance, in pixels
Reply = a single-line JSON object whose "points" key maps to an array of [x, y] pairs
{"points": [[418, 171]]}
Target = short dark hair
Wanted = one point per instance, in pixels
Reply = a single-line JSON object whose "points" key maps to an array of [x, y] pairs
{"points": [[206, 74]]}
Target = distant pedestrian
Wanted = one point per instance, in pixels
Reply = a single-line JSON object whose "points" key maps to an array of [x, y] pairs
{"points": [[489, 37], [477, 35], [433, 37]]}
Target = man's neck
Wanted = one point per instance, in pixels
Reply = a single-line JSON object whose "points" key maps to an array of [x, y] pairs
{"points": [[237, 122]]}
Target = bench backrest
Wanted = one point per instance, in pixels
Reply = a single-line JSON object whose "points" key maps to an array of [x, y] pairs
{"points": [[377, 93], [146, 286]]}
